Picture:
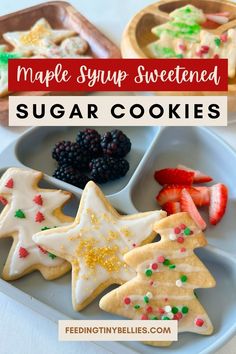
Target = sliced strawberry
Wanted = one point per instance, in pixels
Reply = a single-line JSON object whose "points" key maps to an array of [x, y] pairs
{"points": [[187, 204], [204, 198], [171, 193], [172, 207], [199, 177], [174, 176], [218, 202]]}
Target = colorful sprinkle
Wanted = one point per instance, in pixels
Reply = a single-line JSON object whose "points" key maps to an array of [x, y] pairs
{"points": [[217, 42], [20, 214], [127, 300], [172, 237], [179, 283], [177, 230], [224, 37], [183, 249], [39, 217], [160, 259], [149, 294], [166, 262], [205, 49], [134, 245], [161, 310], [167, 308], [182, 226], [182, 47], [216, 56], [38, 199], [137, 307], [148, 272], [172, 266], [51, 255], [144, 317], [146, 299], [151, 282], [154, 266], [187, 231], [199, 322], [149, 309], [45, 228], [23, 253], [184, 278], [3, 200], [42, 250], [10, 183], [180, 239], [174, 310], [154, 318], [165, 318], [184, 309], [199, 54], [178, 316]]}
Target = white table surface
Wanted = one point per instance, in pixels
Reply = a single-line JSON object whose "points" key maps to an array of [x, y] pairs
{"points": [[22, 331]]}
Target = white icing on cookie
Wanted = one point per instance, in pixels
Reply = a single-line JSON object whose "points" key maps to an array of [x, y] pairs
{"points": [[18, 188], [96, 242]]}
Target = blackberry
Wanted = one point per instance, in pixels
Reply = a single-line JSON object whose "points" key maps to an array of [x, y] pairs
{"points": [[70, 153], [115, 143], [104, 169], [71, 175], [89, 139]]}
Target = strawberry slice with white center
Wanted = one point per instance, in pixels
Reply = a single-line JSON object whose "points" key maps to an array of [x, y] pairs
{"points": [[174, 176], [187, 205], [172, 207], [172, 193], [199, 177], [218, 202]]}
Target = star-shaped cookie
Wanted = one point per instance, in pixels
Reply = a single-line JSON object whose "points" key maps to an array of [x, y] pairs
{"points": [[38, 35], [96, 243], [27, 210]]}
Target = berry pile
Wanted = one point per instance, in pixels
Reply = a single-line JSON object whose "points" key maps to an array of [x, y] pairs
{"points": [[92, 157], [179, 193]]}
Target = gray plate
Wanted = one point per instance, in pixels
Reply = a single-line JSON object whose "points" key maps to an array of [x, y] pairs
{"points": [[152, 148]]}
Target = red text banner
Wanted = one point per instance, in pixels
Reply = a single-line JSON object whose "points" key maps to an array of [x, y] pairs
{"points": [[118, 75]]}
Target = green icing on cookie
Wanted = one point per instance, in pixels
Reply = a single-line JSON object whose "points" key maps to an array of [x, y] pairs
{"points": [[5, 56]]}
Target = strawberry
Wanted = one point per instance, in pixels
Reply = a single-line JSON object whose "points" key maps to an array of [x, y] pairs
{"points": [[187, 204], [199, 177], [174, 176], [204, 198], [172, 193], [172, 207], [218, 202]]}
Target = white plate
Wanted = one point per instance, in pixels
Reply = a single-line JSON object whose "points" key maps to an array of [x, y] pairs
{"points": [[151, 148]]}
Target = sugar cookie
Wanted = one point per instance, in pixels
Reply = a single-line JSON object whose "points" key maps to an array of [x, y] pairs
{"points": [[167, 274], [96, 242], [74, 45], [27, 210], [29, 41]]}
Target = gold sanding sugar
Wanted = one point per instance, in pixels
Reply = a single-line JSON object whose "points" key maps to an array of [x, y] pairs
{"points": [[126, 232], [93, 217], [35, 35], [106, 257]]}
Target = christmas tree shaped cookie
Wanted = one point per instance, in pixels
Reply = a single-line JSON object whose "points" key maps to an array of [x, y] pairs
{"points": [[167, 274], [29, 209], [96, 242]]}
